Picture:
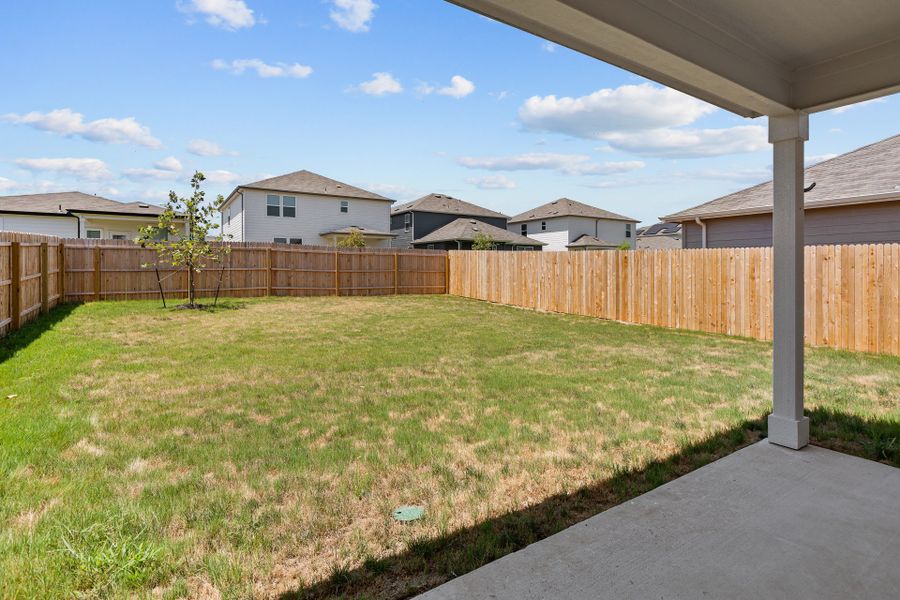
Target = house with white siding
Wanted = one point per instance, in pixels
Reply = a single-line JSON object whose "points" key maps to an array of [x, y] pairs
{"points": [[565, 224], [76, 215], [305, 208]]}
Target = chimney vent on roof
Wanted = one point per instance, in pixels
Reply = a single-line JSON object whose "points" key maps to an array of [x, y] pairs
{"points": [[60, 208], [143, 205]]}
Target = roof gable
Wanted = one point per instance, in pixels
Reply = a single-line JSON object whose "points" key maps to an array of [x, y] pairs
{"points": [[872, 170], [566, 207], [307, 182], [442, 203]]}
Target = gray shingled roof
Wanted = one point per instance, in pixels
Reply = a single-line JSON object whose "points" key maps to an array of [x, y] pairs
{"points": [[466, 229], [660, 229], [589, 241], [307, 182], [564, 207], [872, 170], [442, 203], [61, 203]]}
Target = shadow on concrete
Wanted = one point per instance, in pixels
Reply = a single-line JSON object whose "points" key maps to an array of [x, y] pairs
{"points": [[430, 562]]}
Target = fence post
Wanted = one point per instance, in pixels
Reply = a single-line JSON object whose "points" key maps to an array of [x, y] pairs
{"points": [[396, 273], [337, 273], [45, 278], [447, 274], [15, 274], [97, 277], [61, 274], [268, 271]]}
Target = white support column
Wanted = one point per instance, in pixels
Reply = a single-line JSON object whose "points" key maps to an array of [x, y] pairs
{"points": [[787, 424]]}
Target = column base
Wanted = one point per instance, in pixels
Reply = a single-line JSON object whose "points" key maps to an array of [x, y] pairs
{"points": [[788, 432]]}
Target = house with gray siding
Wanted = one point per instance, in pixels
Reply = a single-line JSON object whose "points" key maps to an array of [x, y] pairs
{"points": [[566, 224], [412, 221], [305, 208], [853, 198]]}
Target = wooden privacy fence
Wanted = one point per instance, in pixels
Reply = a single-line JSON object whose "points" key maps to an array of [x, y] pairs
{"points": [[36, 275], [852, 296]]}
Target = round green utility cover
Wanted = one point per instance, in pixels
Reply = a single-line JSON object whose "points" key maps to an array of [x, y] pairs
{"points": [[408, 513]]}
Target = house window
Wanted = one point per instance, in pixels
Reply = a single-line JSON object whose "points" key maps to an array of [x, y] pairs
{"points": [[280, 240], [273, 206], [92, 234], [288, 206], [407, 221], [543, 225], [345, 206], [119, 236], [228, 216], [161, 235], [296, 241], [628, 230], [524, 229]]}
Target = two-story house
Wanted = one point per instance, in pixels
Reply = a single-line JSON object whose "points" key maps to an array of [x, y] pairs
{"points": [[305, 208], [414, 220], [565, 224]]}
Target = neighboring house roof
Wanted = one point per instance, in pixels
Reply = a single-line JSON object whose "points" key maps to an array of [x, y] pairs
{"points": [[363, 230], [589, 241], [442, 203], [564, 207], [66, 203], [465, 230], [867, 174], [660, 229], [307, 182]]}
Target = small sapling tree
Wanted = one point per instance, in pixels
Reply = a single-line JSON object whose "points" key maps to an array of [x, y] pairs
{"points": [[483, 241], [354, 240], [181, 236]]}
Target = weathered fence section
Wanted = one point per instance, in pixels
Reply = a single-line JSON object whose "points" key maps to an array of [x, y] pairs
{"points": [[852, 292], [37, 272]]}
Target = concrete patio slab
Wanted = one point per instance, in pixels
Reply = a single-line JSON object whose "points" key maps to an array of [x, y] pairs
{"points": [[763, 522]]}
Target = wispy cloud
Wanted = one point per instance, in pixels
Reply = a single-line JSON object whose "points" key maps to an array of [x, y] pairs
{"points": [[492, 182], [166, 169], [843, 109], [381, 83], [568, 164], [263, 69], [459, 87], [353, 15], [66, 122], [88, 168], [7, 184], [202, 147], [225, 14]]}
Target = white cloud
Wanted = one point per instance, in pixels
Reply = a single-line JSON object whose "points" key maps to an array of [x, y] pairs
{"points": [[353, 15], [221, 176], [207, 148], [816, 159], [89, 168], [227, 14], [459, 87], [381, 83], [690, 143], [548, 46], [626, 108], [498, 96], [392, 190], [66, 122], [170, 163], [843, 109], [492, 182], [569, 164], [7, 184], [263, 69], [160, 174]]}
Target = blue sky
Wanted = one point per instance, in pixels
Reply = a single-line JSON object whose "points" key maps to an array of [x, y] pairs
{"points": [[404, 97]]}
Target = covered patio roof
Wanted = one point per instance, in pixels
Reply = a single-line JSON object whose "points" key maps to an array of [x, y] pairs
{"points": [[766, 57]]}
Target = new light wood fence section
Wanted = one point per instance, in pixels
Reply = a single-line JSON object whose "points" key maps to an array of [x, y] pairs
{"points": [[852, 292], [37, 272]]}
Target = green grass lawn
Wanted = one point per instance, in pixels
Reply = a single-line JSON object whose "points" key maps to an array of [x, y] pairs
{"points": [[258, 450]]}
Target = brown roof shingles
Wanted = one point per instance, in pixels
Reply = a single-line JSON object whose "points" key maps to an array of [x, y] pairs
{"points": [[565, 207], [307, 182], [62, 203], [442, 203], [868, 171]]}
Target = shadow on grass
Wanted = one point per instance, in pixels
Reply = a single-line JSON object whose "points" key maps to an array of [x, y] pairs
{"points": [[430, 562], [23, 337]]}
